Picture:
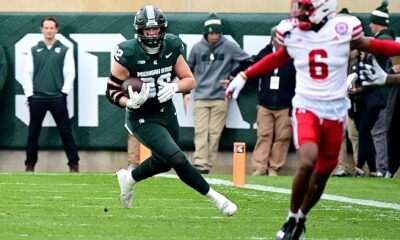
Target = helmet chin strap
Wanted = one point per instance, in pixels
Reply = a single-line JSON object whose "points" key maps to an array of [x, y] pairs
{"points": [[150, 50]]}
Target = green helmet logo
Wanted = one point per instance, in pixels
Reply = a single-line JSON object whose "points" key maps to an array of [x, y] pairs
{"points": [[150, 17]]}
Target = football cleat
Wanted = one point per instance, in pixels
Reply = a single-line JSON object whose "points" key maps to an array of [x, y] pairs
{"points": [[228, 208], [126, 183], [287, 230], [300, 229]]}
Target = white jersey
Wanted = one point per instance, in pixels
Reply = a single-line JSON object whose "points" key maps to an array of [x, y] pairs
{"points": [[321, 58]]}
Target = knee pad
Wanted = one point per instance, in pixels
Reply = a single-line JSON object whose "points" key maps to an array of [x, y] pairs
{"points": [[178, 160]]}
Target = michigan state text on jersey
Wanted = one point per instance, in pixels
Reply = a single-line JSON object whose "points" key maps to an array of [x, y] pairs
{"points": [[150, 68]]}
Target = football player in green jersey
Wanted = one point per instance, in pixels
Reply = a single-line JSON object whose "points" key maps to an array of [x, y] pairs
{"points": [[156, 58]]}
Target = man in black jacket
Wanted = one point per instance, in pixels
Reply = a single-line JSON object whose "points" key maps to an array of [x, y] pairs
{"points": [[379, 26], [274, 127]]}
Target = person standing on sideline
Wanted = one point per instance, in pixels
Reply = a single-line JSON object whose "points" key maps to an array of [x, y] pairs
{"points": [[156, 58], [49, 74], [379, 26], [211, 60], [380, 77], [320, 43], [274, 127], [346, 166]]}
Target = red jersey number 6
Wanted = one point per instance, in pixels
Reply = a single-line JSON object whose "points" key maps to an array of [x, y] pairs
{"points": [[318, 70]]}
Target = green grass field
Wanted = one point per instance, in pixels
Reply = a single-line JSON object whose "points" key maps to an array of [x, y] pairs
{"points": [[86, 206]]}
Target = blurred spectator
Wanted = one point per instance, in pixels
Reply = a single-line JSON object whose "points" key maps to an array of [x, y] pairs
{"points": [[368, 102], [211, 61], [392, 123], [379, 26], [49, 74], [378, 76], [133, 152], [274, 127], [346, 166]]}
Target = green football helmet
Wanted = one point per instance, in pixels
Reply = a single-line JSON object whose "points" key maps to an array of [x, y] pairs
{"points": [[149, 17]]}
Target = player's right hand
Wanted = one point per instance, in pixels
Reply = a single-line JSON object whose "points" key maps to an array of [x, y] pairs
{"points": [[372, 74], [235, 87], [137, 99]]}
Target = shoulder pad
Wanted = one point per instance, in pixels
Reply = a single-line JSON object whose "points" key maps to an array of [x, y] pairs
{"points": [[354, 25], [174, 42]]}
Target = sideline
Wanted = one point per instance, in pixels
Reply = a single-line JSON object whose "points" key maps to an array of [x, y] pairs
{"points": [[370, 203]]}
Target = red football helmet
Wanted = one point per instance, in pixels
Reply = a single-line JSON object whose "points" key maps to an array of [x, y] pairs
{"points": [[312, 12]]}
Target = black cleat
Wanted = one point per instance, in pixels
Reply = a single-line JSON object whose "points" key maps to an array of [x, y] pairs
{"points": [[300, 229], [287, 230]]}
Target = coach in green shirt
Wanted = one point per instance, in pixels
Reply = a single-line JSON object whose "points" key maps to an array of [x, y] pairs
{"points": [[49, 74]]}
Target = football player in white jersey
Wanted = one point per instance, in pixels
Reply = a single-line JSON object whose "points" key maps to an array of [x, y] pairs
{"points": [[320, 43]]}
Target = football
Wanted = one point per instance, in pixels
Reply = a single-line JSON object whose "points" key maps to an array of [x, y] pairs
{"points": [[135, 82]]}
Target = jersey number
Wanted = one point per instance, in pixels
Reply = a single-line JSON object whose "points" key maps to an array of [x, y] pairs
{"points": [[318, 69]]}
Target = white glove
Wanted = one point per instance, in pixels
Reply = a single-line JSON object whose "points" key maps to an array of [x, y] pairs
{"points": [[235, 87], [351, 79], [166, 91], [372, 74], [137, 99]]}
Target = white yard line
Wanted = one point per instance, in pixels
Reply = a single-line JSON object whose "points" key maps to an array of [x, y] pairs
{"points": [[336, 198]]}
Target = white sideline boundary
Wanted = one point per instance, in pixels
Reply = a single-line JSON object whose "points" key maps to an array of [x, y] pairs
{"points": [[370, 203]]}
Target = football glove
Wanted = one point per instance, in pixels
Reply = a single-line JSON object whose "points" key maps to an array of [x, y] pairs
{"points": [[372, 74], [166, 91], [235, 87], [137, 99], [351, 79]]}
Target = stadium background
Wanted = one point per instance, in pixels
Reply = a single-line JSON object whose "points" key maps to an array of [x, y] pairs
{"points": [[21, 17]]}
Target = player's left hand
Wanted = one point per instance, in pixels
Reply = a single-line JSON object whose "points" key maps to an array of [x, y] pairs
{"points": [[351, 79], [235, 87], [166, 91], [372, 74]]}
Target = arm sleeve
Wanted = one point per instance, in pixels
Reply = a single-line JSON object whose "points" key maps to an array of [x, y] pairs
{"points": [[268, 63], [386, 48], [69, 72], [28, 74]]}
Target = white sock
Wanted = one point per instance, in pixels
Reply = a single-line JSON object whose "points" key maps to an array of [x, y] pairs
{"points": [[300, 214], [292, 214], [216, 197]]}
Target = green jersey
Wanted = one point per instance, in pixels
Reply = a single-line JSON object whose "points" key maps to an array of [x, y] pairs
{"points": [[150, 68], [48, 78]]}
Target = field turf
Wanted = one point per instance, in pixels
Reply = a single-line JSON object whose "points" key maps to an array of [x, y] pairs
{"points": [[86, 206]]}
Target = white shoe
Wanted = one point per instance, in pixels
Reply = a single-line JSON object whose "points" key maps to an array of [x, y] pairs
{"points": [[223, 204], [126, 183], [228, 208]]}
